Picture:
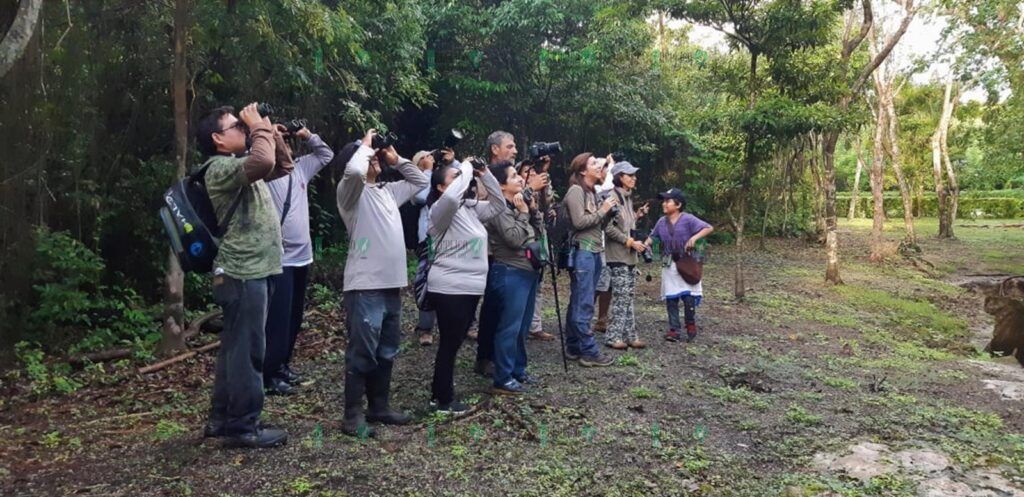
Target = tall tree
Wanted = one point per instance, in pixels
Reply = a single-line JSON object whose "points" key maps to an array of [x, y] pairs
{"points": [[173, 332], [762, 28], [845, 67]]}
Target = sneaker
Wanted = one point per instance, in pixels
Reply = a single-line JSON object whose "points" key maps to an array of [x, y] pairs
{"points": [[617, 345], [260, 439], [454, 408], [571, 356], [672, 335], [596, 361], [511, 387], [691, 331], [528, 379], [541, 335], [426, 338], [637, 344]]}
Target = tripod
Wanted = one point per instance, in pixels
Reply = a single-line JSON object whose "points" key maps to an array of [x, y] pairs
{"points": [[552, 264]]}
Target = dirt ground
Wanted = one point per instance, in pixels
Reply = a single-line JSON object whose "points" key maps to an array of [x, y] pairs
{"points": [[875, 387]]}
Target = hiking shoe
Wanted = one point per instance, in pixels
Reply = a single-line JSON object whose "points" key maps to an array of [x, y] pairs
{"points": [[673, 335], [596, 361], [262, 438], [426, 338], [528, 379], [455, 408], [691, 331], [571, 356], [637, 344], [291, 376], [389, 417], [617, 345], [541, 335], [278, 386], [511, 387]]}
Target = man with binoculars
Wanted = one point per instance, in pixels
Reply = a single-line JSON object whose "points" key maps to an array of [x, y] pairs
{"points": [[375, 273]]}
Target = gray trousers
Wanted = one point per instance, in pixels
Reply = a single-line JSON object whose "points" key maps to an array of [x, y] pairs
{"points": [[238, 378], [374, 329]]}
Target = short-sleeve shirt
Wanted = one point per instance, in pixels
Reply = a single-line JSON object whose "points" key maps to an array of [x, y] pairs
{"points": [[251, 248], [674, 240]]}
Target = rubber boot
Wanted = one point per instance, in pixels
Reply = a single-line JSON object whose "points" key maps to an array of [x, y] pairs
{"points": [[354, 423], [378, 392], [604, 301]]}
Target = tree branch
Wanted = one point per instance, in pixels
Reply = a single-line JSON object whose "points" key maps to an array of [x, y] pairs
{"points": [[887, 49], [850, 45], [18, 35]]}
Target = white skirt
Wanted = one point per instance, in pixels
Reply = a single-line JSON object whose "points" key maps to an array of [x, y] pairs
{"points": [[674, 286]]}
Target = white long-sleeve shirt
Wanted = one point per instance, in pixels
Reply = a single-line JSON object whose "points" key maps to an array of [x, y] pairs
{"points": [[376, 253]]}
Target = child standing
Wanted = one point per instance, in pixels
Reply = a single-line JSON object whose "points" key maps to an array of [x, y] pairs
{"points": [[678, 232]]}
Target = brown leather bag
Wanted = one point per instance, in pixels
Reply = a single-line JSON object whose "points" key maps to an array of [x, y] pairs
{"points": [[689, 266]]}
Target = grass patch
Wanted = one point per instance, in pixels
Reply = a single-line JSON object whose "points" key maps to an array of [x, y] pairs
{"points": [[801, 416], [741, 396]]}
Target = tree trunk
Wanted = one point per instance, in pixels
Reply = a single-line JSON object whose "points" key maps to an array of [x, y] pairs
{"points": [[878, 219], [19, 34], [173, 337], [948, 106], [739, 287], [940, 186], [946, 215], [856, 183], [828, 147], [886, 102]]}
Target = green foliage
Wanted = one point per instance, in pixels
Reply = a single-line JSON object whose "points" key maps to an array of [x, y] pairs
{"points": [[43, 378], [72, 302]]}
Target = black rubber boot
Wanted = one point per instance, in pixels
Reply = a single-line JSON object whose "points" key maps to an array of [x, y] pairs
{"points": [[354, 423], [378, 391]]}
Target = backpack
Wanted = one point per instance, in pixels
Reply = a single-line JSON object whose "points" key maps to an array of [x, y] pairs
{"points": [[191, 223], [559, 235]]}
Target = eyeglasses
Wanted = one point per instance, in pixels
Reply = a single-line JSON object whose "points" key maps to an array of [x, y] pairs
{"points": [[238, 124]]}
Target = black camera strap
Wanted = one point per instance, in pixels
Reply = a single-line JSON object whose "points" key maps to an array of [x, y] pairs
{"points": [[287, 200]]}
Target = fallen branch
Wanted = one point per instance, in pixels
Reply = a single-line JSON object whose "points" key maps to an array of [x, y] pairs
{"points": [[101, 356], [123, 416], [176, 359], [196, 325]]}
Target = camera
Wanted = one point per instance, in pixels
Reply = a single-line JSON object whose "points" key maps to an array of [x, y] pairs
{"points": [[383, 140], [647, 256], [478, 164], [454, 137], [527, 195], [540, 149]]}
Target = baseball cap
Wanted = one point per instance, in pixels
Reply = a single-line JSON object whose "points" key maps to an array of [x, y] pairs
{"points": [[624, 168], [673, 194]]}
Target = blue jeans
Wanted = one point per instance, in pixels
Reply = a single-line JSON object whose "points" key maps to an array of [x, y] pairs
{"points": [[689, 311], [238, 376], [374, 329], [508, 311], [579, 337]]}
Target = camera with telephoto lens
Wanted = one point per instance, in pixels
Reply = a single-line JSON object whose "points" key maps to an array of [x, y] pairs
{"points": [[386, 140], [453, 138], [540, 149], [643, 235]]}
